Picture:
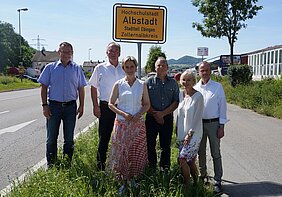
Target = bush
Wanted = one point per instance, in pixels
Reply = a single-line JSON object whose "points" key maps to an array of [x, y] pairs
{"points": [[263, 96], [239, 74]]}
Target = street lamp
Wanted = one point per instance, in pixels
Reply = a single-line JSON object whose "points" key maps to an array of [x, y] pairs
{"points": [[19, 10]]}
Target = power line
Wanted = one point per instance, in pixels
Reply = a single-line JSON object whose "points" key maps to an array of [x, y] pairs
{"points": [[38, 43]]}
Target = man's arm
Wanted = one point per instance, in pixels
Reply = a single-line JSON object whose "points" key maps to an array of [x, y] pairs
{"points": [[94, 97], [158, 115], [81, 96], [46, 109]]}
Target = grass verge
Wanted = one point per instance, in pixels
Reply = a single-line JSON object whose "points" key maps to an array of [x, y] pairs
{"points": [[82, 179], [8, 83]]}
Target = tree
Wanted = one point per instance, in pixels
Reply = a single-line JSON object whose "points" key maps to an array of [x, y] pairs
{"points": [[154, 53], [224, 18], [9, 47]]}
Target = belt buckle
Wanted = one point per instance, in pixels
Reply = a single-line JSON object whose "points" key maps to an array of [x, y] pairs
{"points": [[64, 104]]}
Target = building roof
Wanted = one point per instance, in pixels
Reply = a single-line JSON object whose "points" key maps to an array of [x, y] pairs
{"points": [[265, 49], [45, 56]]}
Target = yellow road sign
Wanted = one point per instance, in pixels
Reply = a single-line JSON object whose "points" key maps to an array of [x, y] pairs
{"points": [[135, 23]]}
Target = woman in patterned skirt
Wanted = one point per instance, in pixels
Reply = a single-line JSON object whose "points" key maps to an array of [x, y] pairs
{"points": [[189, 125], [128, 155]]}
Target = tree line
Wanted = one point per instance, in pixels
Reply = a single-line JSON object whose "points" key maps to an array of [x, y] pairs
{"points": [[10, 48]]}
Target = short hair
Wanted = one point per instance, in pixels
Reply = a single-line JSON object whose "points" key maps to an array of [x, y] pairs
{"points": [[114, 44], [161, 58], [205, 63], [65, 44], [188, 72], [127, 59]]}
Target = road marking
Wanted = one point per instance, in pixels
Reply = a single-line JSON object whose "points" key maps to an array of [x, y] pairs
{"points": [[3, 112], [40, 164], [15, 127]]}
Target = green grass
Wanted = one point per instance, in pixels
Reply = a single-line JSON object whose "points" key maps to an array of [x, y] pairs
{"points": [[264, 97], [8, 83], [82, 179]]}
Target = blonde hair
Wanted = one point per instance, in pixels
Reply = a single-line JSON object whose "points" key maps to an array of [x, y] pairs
{"points": [[188, 72], [129, 58]]}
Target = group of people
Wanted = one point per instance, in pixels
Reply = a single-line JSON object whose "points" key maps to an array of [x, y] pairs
{"points": [[121, 100]]}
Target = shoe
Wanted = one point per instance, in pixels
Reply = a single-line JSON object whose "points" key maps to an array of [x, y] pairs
{"points": [[217, 189], [133, 184], [204, 180], [121, 190]]}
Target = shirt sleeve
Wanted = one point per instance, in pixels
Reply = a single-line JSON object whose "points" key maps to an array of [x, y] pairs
{"points": [[82, 80], [176, 93], [222, 106], [94, 81], [199, 109], [44, 77]]}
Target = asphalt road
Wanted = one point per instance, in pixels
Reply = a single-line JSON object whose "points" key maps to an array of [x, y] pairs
{"points": [[251, 148], [23, 132], [251, 154]]}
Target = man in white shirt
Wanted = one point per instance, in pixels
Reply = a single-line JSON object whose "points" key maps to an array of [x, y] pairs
{"points": [[214, 118], [102, 81]]}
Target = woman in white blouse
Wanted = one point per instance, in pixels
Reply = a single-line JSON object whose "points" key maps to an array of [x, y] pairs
{"points": [[128, 155], [189, 125]]}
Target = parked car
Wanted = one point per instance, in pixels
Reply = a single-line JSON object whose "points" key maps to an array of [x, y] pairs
{"points": [[33, 72], [148, 75], [33, 79]]}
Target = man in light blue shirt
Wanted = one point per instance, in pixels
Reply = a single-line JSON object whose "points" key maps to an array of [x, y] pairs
{"points": [[62, 82]]}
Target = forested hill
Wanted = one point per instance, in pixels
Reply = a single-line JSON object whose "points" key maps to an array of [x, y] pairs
{"points": [[185, 60]]}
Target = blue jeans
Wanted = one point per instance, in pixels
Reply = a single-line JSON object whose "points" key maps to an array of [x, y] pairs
{"points": [[66, 113]]}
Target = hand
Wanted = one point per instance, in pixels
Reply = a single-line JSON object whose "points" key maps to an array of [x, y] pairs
{"points": [[158, 115], [79, 112], [187, 138], [97, 111], [220, 132], [47, 112], [128, 117], [136, 117]]}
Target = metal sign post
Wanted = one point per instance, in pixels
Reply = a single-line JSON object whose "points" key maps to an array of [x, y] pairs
{"points": [[202, 51]]}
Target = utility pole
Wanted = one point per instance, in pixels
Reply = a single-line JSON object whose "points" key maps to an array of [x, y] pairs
{"points": [[38, 44]]}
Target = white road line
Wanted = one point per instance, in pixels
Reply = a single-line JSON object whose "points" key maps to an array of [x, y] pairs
{"points": [[40, 164], [3, 112], [15, 127]]}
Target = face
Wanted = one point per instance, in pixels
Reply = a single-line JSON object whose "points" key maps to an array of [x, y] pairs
{"points": [[65, 53], [188, 81], [129, 68], [113, 52], [205, 71], [161, 67]]}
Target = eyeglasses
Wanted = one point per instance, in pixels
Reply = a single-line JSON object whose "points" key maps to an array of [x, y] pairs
{"points": [[66, 52]]}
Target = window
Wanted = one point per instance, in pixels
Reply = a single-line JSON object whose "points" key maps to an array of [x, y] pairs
{"points": [[272, 57]]}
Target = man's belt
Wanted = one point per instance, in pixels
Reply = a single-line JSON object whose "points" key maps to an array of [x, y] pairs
{"points": [[210, 120], [62, 103]]}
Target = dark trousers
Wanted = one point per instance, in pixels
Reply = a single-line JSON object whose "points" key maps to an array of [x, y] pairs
{"points": [[165, 135], [67, 114], [106, 124]]}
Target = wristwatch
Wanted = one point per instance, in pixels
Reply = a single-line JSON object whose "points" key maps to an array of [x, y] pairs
{"points": [[44, 104]]}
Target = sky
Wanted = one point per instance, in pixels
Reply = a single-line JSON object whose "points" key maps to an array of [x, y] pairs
{"points": [[88, 24]]}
